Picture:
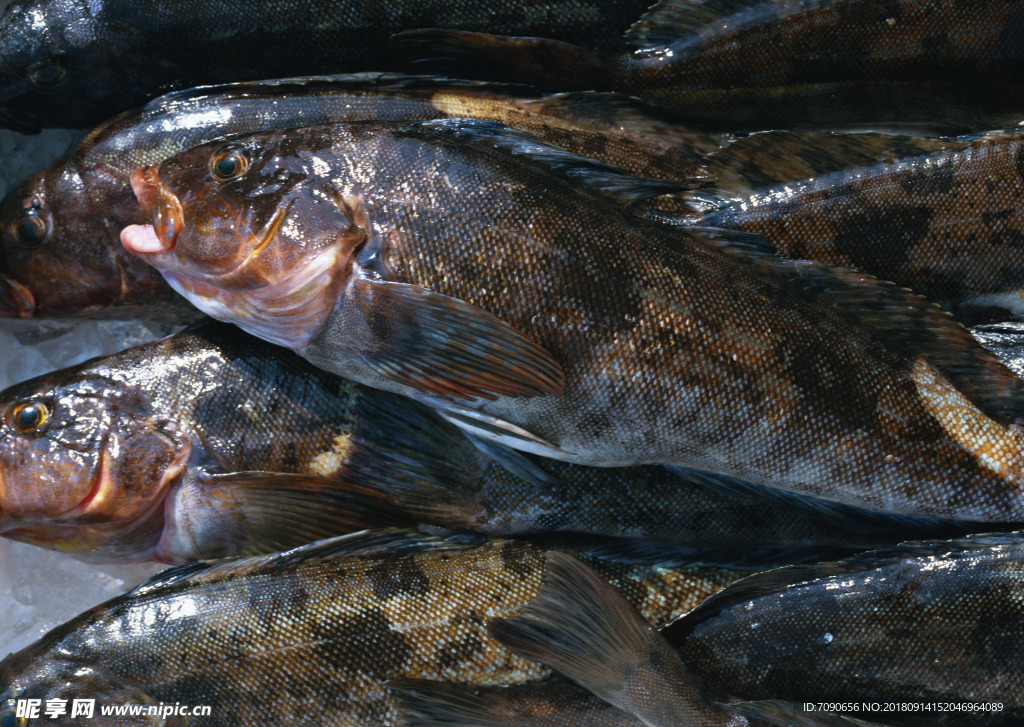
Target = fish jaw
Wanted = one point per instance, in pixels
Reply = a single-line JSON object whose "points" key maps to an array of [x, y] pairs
{"points": [[16, 300], [163, 208]]}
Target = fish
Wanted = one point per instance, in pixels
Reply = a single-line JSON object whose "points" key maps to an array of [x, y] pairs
{"points": [[930, 623], [76, 64], [472, 268], [938, 216], [308, 636], [626, 671], [213, 443], [59, 228], [750, 65]]}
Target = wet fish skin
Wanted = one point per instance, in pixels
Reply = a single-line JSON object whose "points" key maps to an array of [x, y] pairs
{"points": [[73, 265], [240, 419], [74, 64], [943, 221], [932, 622], [758, 64], [695, 326], [331, 621]]}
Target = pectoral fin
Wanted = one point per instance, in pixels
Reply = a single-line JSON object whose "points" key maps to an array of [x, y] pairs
{"points": [[446, 347]]}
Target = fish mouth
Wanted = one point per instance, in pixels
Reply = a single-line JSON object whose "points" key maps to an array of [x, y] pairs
{"points": [[16, 300], [158, 205]]}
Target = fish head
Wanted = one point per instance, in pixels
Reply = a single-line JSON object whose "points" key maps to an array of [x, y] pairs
{"points": [[85, 465], [252, 231], [59, 252]]}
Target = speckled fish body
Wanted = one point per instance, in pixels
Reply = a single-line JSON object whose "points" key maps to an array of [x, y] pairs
{"points": [[576, 331], [59, 228], [76, 63], [213, 443], [944, 220], [309, 636], [757, 64], [933, 623]]}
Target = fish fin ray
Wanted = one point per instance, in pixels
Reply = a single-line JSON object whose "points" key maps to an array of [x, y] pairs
{"points": [[424, 703], [671, 21], [445, 347]]}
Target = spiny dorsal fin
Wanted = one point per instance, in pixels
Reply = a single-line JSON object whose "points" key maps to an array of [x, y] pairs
{"points": [[604, 180], [671, 21], [773, 581], [393, 540], [768, 158]]}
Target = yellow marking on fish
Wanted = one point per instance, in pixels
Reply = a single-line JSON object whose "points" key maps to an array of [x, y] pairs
{"points": [[995, 447], [455, 105], [330, 462]]}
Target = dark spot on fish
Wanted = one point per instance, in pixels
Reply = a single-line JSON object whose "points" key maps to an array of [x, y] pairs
{"points": [[933, 182], [456, 654], [827, 383], [879, 238], [364, 642], [390, 578], [519, 558], [1020, 162]]}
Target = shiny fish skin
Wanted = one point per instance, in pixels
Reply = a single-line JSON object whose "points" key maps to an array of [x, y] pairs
{"points": [[309, 636], [76, 63], [933, 622], [711, 354], [74, 265], [228, 403], [946, 223], [758, 64]]}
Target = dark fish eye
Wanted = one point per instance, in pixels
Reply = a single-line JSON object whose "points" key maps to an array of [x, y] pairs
{"points": [[229, 165], [28, 416], [46, 74], [30, 230]]}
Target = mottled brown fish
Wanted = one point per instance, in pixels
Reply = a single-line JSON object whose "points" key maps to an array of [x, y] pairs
{"points": [[212, 443], [76, 63], [486, 274], [943, 217], [59, 228], [757, 64], [309, 636]]}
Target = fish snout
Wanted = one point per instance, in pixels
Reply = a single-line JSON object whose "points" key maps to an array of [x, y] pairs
{"points": [[16, 300], [160, 206]]}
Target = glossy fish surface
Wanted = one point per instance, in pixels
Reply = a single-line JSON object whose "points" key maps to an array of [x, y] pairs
{"points": [[757, 64], [932, 623], [76, 63], [214, 443], [943, 220], [452, 261], [310, 635], [59, 228]]}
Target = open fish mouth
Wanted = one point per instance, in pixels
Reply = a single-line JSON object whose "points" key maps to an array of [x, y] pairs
{"points": [[16, 300], [158, 205]]}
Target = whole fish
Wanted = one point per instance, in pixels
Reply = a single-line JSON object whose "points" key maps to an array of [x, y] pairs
{"points": [[937, 625], [757, 64], [941, 217], [486, 274], [75, 64], [308, 636], [212, 443], [59, 228]]}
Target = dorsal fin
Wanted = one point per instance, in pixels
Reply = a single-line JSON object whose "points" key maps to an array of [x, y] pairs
{"points": [[671, 21], [393, 540], [604, 180], [768, 158], [767, 582]]}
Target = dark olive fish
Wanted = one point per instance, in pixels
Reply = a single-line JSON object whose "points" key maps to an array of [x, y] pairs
{"points": [[59, 228], [76, 63], [212, 443], [453, 262], [941, 217], [757, 64], [310, 635], [936, 624]]}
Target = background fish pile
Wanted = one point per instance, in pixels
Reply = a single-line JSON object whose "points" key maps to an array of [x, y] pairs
{"points": [[28, 606]]}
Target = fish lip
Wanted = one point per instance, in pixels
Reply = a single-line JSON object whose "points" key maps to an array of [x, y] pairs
{"points": [[16, 300], [158, 205]]}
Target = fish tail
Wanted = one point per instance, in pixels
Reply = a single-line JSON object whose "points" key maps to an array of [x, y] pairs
{"points": [[545, 64]]}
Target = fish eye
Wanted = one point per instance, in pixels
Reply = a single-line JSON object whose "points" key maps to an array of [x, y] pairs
{"points": [[30, 230], [46, 74], [28, 416], [229, 165]]}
